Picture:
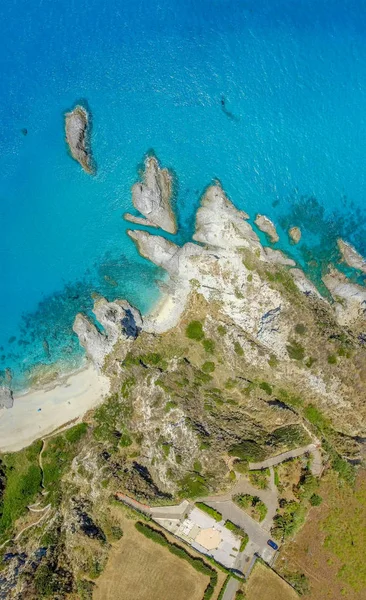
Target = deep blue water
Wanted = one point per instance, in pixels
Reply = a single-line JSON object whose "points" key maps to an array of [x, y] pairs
{"points": [[290, 140]]}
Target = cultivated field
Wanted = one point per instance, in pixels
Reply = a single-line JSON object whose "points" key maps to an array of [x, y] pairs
{"points": [[140, 569], [264, 584]]}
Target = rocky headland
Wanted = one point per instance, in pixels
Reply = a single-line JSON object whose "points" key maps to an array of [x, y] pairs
{"points": [[267, 226], [77, 130], [350, 256], [153, 198]]}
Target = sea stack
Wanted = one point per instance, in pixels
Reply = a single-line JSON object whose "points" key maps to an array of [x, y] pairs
{"points": [[153, 197], [295, 234], [77, 129], [265, 224]]}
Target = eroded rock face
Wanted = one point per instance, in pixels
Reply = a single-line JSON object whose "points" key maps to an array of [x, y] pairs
{"points": [[77, 137], [153, 197], [268, 227], [119, 320], [295, 234], [6, 397], [351, 256], [350, 298]]}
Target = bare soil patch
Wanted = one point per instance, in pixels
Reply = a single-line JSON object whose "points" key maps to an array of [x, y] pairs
{"points": [[265, 584]]}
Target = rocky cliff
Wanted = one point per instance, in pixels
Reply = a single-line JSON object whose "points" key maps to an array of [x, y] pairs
{"points": [[77, 130]]}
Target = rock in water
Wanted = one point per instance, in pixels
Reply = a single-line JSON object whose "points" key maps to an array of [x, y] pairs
{"points": [[295, 234], [351, 256], [77, 137], [265, 224], [153, 197], [6, 397]]}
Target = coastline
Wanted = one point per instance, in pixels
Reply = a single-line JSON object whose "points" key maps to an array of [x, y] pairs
{"points": [[63, 401]]}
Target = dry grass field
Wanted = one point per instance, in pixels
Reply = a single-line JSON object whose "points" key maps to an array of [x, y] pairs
{"points": [[140, 569], [264, 584]]}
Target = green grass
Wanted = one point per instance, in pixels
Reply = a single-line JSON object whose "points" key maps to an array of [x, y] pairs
{"points": [[315, 417], [238, 349], [215, 514], [208, 367], [209, 346], [23, 483], [193, 485], [266, 387], [194, 331], [295, 350]]}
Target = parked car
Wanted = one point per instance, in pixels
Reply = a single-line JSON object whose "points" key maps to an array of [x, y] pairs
{"points": [[272, 544]]}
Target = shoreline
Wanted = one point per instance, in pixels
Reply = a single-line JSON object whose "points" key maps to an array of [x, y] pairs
{"points": [[66, 400]]}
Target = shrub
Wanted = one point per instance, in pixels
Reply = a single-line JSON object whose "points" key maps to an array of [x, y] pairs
{"points": [[238, 349], [316, 500], [210, 511], [295, 351], [299, 582], [247, 450], [209, 346], [266, 387], [300, 328], [193, 485], [208, 367], [194, 331], [221, 329], [259, 478], [313, 414], [332, 359]]}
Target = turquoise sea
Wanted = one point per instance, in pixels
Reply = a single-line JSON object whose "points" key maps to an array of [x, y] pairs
{"points": [[269, 96]]}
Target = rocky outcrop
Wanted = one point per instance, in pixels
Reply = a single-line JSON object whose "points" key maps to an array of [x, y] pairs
{"points": [[350, 298], [6, 397], [278, 257], [295, 234], [153, 197], [220, 224], [77, 137], [351, 256], [303, 283], [119, 320], [139, 220], [268, 227]]}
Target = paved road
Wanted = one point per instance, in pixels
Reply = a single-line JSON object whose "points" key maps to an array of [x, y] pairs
{"points": [[231, 589], [316, 466]]}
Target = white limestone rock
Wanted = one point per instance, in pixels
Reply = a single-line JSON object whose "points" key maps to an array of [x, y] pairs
{"points": [[351, 256], [303, 283], [77, 137], [153, 197], [6, 397], [350, 298], [220, 224], [277, 257], [268, 227], [119, 319]]}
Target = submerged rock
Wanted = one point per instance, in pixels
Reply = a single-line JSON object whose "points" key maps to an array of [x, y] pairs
{"points": [[77, 137], [295, 234], [119, 320], [6, 397], [265, 224], [153, 197], [351, 256]]}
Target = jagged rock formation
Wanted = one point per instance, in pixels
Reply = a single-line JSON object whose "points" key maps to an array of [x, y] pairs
{"points": [[265, 224], [295, 234], [351, 256], [6, 397], [153, 198], [350, 299], [77, 137], [119, 320]]}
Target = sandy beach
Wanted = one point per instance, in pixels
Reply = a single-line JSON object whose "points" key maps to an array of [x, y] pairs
{"points": [[40, 412]]}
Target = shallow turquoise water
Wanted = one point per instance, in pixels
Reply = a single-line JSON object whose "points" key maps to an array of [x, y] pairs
{"points": [[293, 126]]}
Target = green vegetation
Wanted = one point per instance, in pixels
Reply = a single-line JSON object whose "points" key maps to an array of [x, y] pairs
{"points": [[259, 478], [208, 367], [295, 350], [238, 349], [247, 450], [210, 511], [315, 417], [221, 329], [299, 582], [290, 399], [290, 436], [239, 532], [284, 279], [291, 519], [193, 485], [315, 500], [256, 507], [266, 387], [111, 418], [209, 345], [222, 591], [310, 361], [58, 455], [23, 482], [194, 331], [300, 328], [345, 470], [197, 563], [332, 359]]}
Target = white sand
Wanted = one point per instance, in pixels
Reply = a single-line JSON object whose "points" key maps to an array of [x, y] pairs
{"points": [[24, 423]]}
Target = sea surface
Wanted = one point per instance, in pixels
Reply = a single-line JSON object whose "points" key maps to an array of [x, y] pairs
{"points": [[268, 96]]}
